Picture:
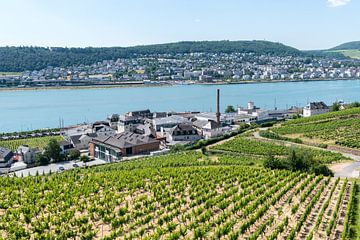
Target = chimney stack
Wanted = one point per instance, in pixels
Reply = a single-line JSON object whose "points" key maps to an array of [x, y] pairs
{"points": [[218, 107]]}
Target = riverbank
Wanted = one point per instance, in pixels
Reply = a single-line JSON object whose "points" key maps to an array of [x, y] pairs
{"points": [[141, 85], [84, 87]]}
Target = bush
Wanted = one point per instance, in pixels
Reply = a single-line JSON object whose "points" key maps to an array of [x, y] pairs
{"points": [[322, 145], [42, 160], [74, 154], [322, 169], [298, 161], [267, 124], [84, 158], [275, 163]]}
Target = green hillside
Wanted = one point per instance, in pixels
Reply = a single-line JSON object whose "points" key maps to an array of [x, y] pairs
{"points": [[350, 49], [15, 59], [347, 46], [335, 128]]}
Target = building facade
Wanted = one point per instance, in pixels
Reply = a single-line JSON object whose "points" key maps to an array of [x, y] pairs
{"points": [[115, 147], [315, 108]]}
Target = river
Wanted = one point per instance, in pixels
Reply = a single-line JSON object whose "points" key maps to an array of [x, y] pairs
{"points": [[27, 110]]}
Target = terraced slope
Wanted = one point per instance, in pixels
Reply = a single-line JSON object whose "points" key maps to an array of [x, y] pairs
{"points": [[340, 128]]}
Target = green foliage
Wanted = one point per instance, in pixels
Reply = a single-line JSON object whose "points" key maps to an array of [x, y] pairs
{"points": [[52, 151], [84, 158], [348, 46], [74, 154], [258, 148], [341, 127], [35, 142], [272, 135], [298, 161], [230, 109], [335, 107], [42, 160], [35, 58], [203, 143], [275, 163]]}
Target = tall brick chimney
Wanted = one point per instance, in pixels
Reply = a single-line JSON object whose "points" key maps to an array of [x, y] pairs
{"points": [[218, 114]]}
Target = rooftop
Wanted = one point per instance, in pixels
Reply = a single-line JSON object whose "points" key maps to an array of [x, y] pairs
{"points": [[125, 140]]}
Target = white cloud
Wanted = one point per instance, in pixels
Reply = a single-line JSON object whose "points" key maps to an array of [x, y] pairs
{"points": [[337, 3]]}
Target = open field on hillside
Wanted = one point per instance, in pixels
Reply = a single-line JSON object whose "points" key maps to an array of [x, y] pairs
{"points": [[248, 147], [350, 53], [340, 128], [178, 196], [36, 142], [10, 73]]}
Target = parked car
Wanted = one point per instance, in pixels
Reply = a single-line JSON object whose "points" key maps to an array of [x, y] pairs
{"points": [[61, 168]]}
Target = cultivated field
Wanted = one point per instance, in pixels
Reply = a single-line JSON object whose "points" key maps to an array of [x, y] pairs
{"points": [[178, 196], [36, 142], [251, 147], [353, 53], [340, 128]]}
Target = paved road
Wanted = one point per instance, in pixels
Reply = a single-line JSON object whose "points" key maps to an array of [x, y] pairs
{"points": [[348, 170], [54, 167]]}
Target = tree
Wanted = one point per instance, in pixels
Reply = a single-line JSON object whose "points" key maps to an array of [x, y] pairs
{"points": [[74, 154], [53, 151], [42, 160], [335, 107], [275, 163], [230, 109], [323, 170]]}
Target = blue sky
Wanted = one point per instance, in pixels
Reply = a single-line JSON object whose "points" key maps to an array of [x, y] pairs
{"points": [[304, 24]]}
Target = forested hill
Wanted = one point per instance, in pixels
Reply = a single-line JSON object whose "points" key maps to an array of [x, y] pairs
{"points": [[15, 59], [348, 46]]}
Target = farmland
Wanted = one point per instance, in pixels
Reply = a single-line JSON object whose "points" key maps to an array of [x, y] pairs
{"points": [[35, 142], [252, 147], [185, 195], [335, 128], [352, 53]]}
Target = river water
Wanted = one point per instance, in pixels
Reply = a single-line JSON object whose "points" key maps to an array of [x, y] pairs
{"points": [[27, 110]]}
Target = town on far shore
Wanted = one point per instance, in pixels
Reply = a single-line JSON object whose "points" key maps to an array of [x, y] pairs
{"points": [[135, 134], [187, 68]]}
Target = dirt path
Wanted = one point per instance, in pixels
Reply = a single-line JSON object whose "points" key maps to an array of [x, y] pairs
{"points": [[343, 170]]}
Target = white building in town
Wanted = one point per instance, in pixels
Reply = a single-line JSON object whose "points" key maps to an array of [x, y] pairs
{"points": [[315, 108]]}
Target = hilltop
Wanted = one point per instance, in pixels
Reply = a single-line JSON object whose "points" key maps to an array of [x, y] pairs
{"points": [[349, 49], [348, 46], [16, 59]]}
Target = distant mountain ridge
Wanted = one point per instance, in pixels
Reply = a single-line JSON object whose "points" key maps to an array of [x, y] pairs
{"points": [[347, 46], [16, 59]]}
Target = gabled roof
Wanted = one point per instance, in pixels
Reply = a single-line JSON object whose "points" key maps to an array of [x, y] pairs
{"points": [[4, 152], [182, 127], [124, 140], [316, 105]]}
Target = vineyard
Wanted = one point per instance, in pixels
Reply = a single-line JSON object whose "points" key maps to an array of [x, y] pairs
{"points": [[179, 196], [247, 146], [341, 128], [36, 142]]}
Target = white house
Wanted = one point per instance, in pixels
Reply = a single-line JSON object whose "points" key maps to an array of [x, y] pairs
{"points": [[315, 108], [27, 154], [183, 132], [210, 129]]}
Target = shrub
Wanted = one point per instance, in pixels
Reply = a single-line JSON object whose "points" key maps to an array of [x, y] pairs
{"points": [[74, 154]]}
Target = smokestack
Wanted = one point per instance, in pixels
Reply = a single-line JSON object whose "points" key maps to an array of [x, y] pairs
{"points": [[218, 107]]}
